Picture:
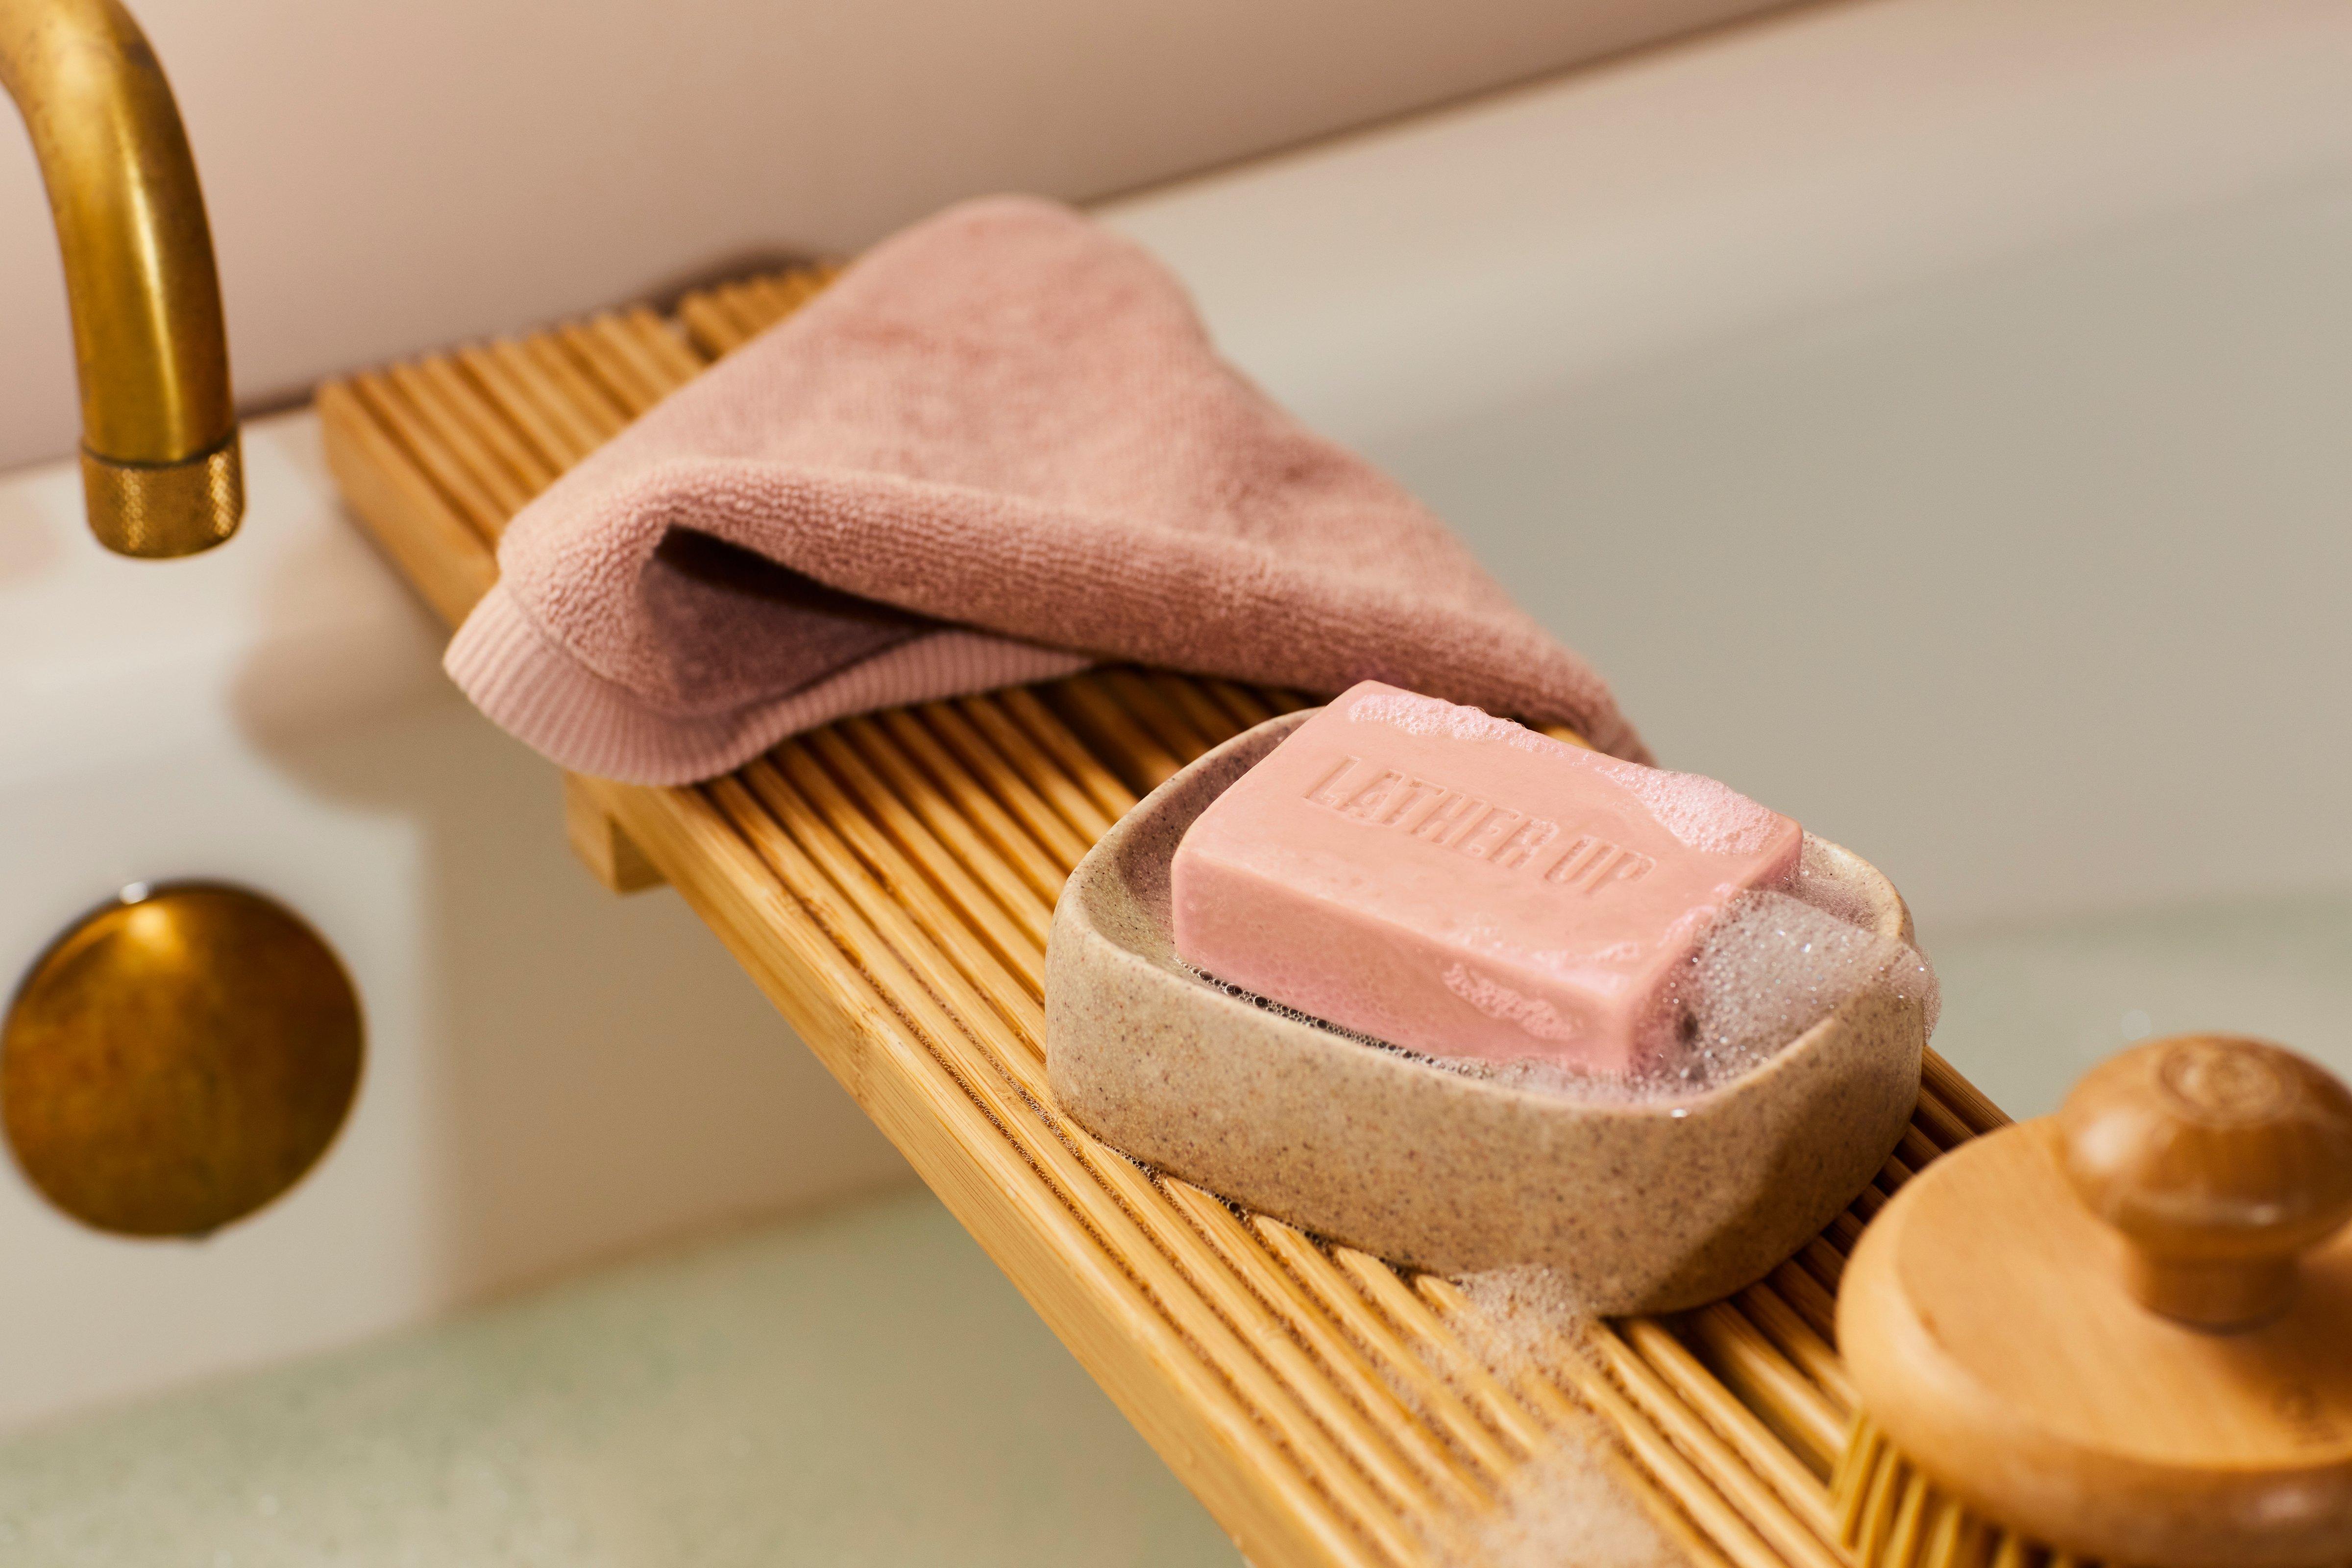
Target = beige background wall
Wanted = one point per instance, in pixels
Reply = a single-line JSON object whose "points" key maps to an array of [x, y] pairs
{"points": [[385, 177]]}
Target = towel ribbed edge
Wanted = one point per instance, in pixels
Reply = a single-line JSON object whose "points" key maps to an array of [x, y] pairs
{"points": [[528, 686]]}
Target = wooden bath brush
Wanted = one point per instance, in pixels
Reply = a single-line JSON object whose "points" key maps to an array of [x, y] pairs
{"points": [[2125, 1330]]}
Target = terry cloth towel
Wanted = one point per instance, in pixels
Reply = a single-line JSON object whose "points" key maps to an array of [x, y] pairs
{"points": [[998, 449]]}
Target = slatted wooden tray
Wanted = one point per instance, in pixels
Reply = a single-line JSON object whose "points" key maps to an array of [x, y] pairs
{"points": [[887, 881]]}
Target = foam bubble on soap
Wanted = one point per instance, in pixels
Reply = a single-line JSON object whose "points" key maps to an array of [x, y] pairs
{"points": [[1702, 814], [1418, 715], [1772, 967]]}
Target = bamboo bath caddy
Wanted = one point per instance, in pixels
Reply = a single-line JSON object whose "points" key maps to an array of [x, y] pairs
{"points": [[887, 881]]}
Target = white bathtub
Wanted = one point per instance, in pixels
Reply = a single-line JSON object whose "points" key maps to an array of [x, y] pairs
{"points": [[553, 1075], [1929, 413]]}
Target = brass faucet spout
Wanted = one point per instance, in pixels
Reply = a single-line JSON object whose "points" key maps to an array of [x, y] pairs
{"points": [[160, 469]]}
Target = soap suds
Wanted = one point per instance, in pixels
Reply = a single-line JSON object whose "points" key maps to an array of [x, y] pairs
{"points": [[1418, 715], [1772, 967], [1816, 881], [1702, 814], [1523, 1315], [1561, 1505]]}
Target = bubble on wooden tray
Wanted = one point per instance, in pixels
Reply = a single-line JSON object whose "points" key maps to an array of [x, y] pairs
{"points": [[1562, 1503], [1524, 1315]]}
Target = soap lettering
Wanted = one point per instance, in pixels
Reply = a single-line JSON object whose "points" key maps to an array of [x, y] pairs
{"points": [[1415, 794], [1455, 818], [1625, 866], [1370, 803], [1324, 791], [1520, 847], [1578, 859], [1509, 840], [1591, 863], [1491, 831]]}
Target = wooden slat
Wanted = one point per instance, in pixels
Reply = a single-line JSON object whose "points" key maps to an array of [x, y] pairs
{"points": [[713, 328], [1061, 845], [1729, 1452], [1078, 810], [432, 544], [563, 376], [1142, 763], [1758, 1448], [1091, 773], [888, 882], [445, 468], [1967, 1103], [504, 460], [552, 428], [935, 883], [950, 813]]}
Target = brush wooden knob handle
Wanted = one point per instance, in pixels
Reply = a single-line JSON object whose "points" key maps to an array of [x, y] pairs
{"points": [[2220, 1160]]}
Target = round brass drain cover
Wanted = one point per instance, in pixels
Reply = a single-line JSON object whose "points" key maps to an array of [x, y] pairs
{"points": [[177, 1059]]}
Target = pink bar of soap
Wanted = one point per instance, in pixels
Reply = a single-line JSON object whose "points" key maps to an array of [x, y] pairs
{"points": [[1461, 886]]}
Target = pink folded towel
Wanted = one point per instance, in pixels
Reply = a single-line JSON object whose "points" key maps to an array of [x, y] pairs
{"points": [[1000, 449]]}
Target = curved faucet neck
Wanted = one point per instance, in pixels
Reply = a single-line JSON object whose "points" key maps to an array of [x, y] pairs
{"points": [[160, 460]]}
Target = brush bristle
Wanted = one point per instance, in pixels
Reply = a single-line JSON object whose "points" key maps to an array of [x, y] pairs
{"points": [[1890, 1515]]}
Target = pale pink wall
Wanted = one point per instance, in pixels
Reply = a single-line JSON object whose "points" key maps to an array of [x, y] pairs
{"points": [[387, 176]]}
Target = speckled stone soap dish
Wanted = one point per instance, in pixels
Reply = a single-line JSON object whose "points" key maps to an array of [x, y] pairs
{"points": [[1643, 1207]]}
